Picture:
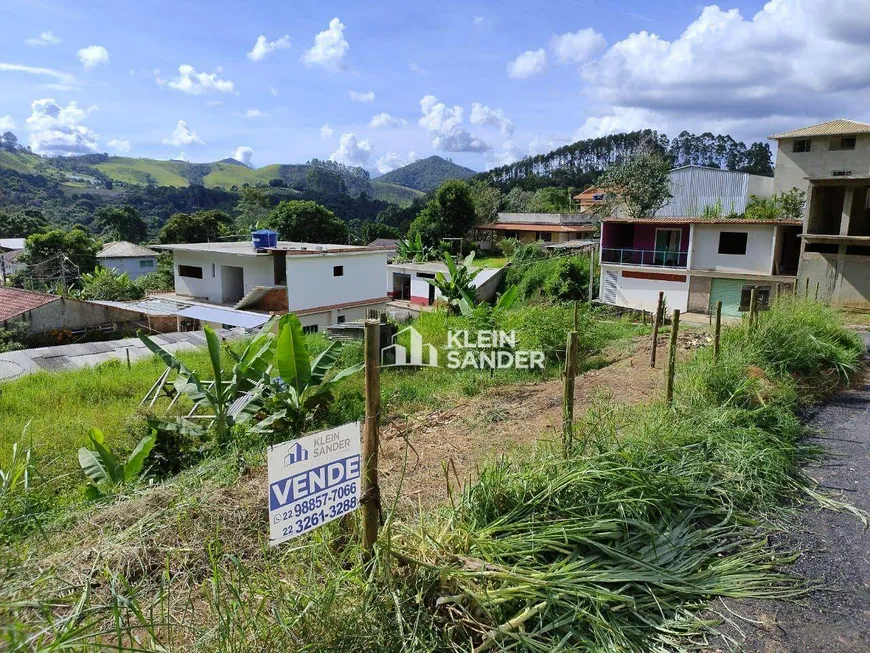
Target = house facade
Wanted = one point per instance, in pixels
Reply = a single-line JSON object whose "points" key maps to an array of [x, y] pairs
{"points": [[696, 262], [409, 282], [539, 227], [321, 284], [831, 163], [127, 258]]}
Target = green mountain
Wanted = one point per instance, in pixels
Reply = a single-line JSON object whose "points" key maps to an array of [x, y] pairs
{"points": [[426, 174]]}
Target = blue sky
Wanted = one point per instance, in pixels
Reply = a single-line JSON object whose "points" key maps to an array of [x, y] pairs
{"points": [[480, 82]]}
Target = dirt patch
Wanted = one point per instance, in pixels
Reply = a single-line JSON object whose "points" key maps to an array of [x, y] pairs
{"points": [[504, 419]]}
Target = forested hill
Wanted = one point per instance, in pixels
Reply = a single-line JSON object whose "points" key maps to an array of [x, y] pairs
{"points": [[579, 164], [426, 174]]}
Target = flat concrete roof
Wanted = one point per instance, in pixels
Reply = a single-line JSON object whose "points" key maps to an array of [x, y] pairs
{"points": [[246, 248]]}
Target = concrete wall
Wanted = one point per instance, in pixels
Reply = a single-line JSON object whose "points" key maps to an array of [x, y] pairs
{"points": [[842, 280], [311, 281], [792, 168], [759, 249], [640, 290], [258, 271], [699, 294], [328, 318], [67, 314], [131, 266], [543, 218]]}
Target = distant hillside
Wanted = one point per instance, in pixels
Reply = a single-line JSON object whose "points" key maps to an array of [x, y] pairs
{"points": [[401, 195], [426, 174]]}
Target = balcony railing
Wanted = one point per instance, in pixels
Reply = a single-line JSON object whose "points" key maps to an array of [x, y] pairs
{"points": [[645, 257]]}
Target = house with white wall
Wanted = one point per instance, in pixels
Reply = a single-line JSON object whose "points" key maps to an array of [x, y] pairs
{"points": [[696, 262], [831, 163], [409, 282], [127, 258], [321, 284]]}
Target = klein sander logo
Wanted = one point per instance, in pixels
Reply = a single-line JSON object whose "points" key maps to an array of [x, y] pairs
{"points": [[465, 349]]}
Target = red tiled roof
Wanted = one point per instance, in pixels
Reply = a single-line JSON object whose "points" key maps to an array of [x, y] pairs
{"points": [[15, 301], [667, 220], [531, 226], [331, 307]]}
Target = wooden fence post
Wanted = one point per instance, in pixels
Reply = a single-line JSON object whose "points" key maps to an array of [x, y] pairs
{"points": [[568, 395], [753, 305], [718, 332], [807, 291], [371, 496], [672, 356], [656, 324], [818, 283]]}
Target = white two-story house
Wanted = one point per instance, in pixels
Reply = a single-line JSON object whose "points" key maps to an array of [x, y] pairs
{"points": [[699, 261], [321, 284], [831, 163]]}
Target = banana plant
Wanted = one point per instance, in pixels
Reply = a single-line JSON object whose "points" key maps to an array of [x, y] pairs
{"points": [[460, 285], [301, 386], [487, 314], [412, 249], [234, 399], [103, 467]]}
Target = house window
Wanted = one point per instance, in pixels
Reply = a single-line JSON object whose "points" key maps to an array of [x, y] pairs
{"points": [[146, 263], [733, 242], [338, 271], [843, 143], [545, 236], [309, 329], [510, 234], [190, 271], [762, 297], [802, 145], [667, 247], [842, 173], [341, 318]]}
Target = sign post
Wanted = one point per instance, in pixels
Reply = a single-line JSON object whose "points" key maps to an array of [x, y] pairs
{"points": [[313, 480], [371, 498]]}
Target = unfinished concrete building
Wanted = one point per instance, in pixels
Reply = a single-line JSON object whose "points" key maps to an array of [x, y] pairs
{"points": [[831, 162]]}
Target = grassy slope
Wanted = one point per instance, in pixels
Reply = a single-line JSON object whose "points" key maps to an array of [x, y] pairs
{"points": [[394, 193], [19, 162], [227, 175], [135, 171]]}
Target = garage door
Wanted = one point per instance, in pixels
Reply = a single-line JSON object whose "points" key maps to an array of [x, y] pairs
{"points": [[728, 292]]}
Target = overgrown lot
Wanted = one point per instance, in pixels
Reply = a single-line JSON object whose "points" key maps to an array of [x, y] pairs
{"points": [[618, 545]]}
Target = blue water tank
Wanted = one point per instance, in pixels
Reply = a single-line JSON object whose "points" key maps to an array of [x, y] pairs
{"points": [[264, 238]]}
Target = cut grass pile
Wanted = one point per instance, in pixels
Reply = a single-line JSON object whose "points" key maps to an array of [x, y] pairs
{"points": [[618, 546]]}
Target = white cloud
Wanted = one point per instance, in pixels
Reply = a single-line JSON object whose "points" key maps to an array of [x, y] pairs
{"points": [[384, 119], [326, 132], [265, 47], [62, 78], [117, 145], [352, 151], [213, 103], [44, 38], [746, 73], [362, 96], [444, 125], [274, 92], [181, 157], [393, 160], [6, 122], [478, 20], [509, 153], [93, 55], [183, 135], [619, 120], [55, 129], [193, 83], [416, 68], [329, 47], [483, 115], [577, 47], [244, 153], [544, 144], [528, 64], [255, 113]]}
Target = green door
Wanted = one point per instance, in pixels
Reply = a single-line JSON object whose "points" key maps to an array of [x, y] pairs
{"points": [[728, 292]]}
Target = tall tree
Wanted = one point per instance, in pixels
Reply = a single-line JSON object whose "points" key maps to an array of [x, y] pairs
{"points": [[307, 222], [201, 227], [638, 184], [252, 208], [121, 223], [448, 214], [56, 255], [486, 199], [21, 224]]}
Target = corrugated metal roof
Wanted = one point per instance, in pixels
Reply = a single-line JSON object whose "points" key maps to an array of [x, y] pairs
{"points": [[830, 128], [225, 316], [124, 249], [529, 226], [12, 243]]}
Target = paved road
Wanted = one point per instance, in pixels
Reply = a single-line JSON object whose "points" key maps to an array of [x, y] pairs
{"points": [[835, 620]]}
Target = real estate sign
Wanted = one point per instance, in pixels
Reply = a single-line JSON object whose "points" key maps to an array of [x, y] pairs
{"points": [[313, 480]]}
